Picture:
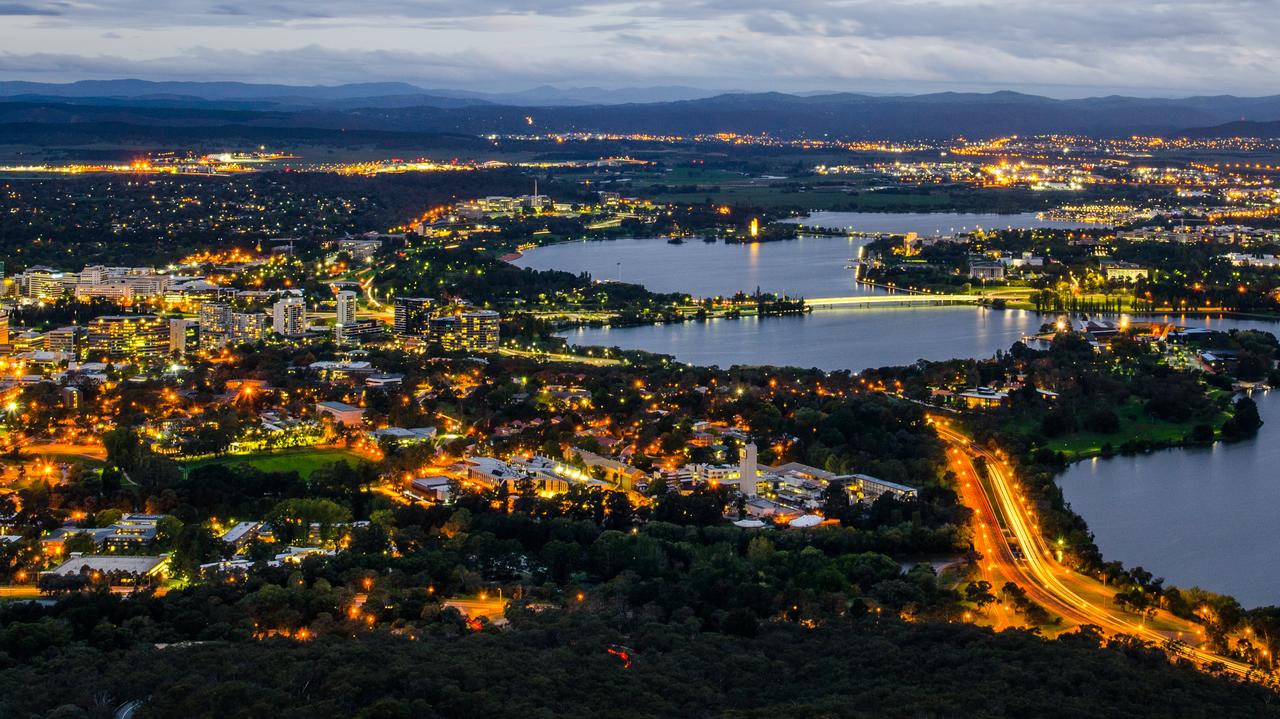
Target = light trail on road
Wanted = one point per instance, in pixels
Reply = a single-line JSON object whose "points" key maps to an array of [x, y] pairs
{"points": [[1045, 580]]}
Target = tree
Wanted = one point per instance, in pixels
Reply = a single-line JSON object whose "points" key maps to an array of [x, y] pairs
{"points": [[292, 518], [124, 447], [979, 593], [1244, 422]]}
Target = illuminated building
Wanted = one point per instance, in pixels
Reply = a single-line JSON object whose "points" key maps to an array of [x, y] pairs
{"points": [[42, 283], [361, 249], [341, 413], [220, 326], [346, 307], [986, 270], [128, 336], [115, 291], [184, 335], [358, 331], [478, 329], [249, 326], [748, 471], [466, 330], [1127, 271], [65, 339], [411, 316], [215, 321], [289, 316]]}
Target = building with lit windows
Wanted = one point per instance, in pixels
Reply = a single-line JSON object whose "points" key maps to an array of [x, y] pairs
{"points": [[478, 329], [215, 321], [346, 307], [42, 283], [249, 327], [184, 336], [128, 337], [465, 330], [412, 315], [289, 316], [359, 331], [220, 326]]}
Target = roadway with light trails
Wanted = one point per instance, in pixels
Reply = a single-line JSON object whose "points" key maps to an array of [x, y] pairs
{"points": [[1077, 598]]}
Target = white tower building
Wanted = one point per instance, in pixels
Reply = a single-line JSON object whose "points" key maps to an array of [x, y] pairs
{"points": [[748, 471], [289, 316], [346, 307]]}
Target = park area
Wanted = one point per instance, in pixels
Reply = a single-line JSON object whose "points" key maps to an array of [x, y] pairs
{"points": [[304, 461]]}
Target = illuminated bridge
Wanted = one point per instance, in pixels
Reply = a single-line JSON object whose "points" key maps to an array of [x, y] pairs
{"points": [[904, 300]]}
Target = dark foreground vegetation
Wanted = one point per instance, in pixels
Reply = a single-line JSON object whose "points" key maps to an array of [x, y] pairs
{"points": [[560, 665]]}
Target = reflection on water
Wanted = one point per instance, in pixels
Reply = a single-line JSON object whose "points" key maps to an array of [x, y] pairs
{"points": [[829, 340], [809, 266]]}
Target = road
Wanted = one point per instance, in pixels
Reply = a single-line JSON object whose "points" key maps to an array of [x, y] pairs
{"points": [[1004, 520], [551, 357]]}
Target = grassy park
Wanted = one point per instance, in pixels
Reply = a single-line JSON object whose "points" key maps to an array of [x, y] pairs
{"points": [[303, 460]]}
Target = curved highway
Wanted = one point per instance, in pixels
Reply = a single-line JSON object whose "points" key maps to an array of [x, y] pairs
{"points": [[1005, 522]]}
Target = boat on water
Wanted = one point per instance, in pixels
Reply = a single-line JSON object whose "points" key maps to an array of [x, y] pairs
{"points": [[675, 241]]}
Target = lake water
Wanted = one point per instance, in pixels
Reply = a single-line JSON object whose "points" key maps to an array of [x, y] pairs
{"points": [[829, 339], [1194, 516]]}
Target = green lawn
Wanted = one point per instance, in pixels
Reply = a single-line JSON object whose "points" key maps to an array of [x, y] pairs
{"points": [[303, 461], [1135, 424]]}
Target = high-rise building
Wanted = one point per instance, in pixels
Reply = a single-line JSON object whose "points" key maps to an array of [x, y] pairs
{"points": [[249, 327], [215, 319], [411, 316], [128, 337], [444, 330], [346, 307], [4, 327], [478, 329], [289, 316], [184, 336], [469, 330], [220, 326]]}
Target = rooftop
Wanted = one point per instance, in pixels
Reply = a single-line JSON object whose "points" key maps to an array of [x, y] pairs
{"points": [[109, 563]]}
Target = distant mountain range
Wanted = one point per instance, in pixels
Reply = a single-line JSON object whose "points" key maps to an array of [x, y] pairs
{"points": [[390, 108], [380, 94]]}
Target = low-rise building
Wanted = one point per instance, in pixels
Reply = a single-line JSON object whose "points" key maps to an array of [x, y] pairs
{"points": [[115, 569], [986, 271], [342, 413], [1125, 271], [983, 398], [402, 435]]}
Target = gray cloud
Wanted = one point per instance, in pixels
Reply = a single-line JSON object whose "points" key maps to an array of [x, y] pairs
{"points": [[20, 9], [1077, 47]]}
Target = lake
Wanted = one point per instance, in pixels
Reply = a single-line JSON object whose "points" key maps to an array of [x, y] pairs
{"points": [[1194, 516]]}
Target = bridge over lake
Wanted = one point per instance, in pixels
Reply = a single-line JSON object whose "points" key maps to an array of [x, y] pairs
{"points": [[879, 301]]}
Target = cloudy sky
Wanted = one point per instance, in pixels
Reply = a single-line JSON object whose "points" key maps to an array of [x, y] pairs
{"points": [[1065, 48]]}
